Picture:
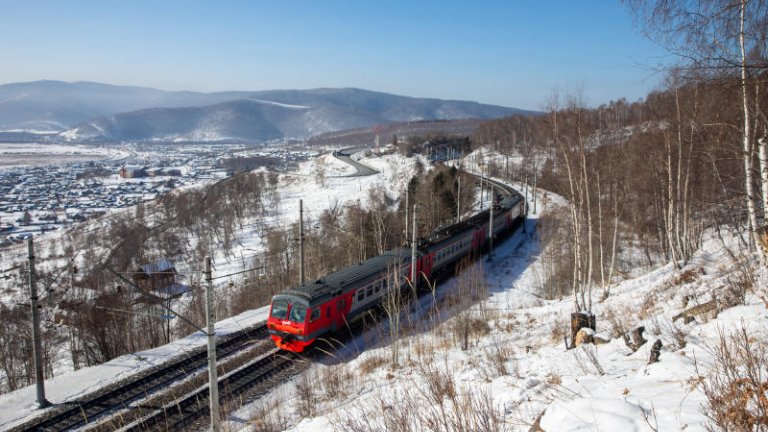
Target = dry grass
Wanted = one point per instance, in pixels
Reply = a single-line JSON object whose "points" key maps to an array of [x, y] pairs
{"points": [[558, 331], [554, 379], [335, 381], [687, 276], [617, 321], [498, 355], [306, 386], [737, 285], [438, 383], [268, 416], [370, 364], [737, 386], [433, 403], [674, 335]]}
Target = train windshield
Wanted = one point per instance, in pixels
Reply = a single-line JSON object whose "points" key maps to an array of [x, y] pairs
{"points": [[298, 313], [280, 309]]}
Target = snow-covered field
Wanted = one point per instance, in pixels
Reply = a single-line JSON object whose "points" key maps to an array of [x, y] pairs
{"points": [[516, 367], [30, 154]]}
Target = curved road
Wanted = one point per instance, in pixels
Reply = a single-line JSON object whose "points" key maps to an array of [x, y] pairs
{"points": [[345, 155]]}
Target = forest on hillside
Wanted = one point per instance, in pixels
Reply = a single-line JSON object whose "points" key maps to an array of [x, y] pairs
{"points": [[652, 175]]}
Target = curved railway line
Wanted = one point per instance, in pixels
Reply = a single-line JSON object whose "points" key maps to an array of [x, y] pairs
{"points": [[174, 396]]}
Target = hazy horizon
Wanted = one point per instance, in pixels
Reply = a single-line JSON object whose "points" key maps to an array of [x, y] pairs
{"points": [[502, 53]]}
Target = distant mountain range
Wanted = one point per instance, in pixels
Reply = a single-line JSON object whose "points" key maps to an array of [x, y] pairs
{"points": [[85, 111]]}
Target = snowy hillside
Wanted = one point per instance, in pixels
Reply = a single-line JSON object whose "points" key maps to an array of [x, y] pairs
{"points": [[517, 371], [497, 362]]}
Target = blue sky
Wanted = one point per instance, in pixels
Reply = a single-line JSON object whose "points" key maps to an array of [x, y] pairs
{"points": [[512, 53]]}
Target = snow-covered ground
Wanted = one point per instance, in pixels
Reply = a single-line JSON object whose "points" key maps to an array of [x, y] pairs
{"points": [[31, 154], [521, 368], [516, 367]]}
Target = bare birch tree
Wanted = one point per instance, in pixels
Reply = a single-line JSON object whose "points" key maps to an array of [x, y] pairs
{"points": [[721, 39]]}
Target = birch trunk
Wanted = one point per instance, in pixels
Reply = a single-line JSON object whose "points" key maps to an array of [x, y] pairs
{"points": [[678, 184], [590, 249], [746, 134], [670, 213]]}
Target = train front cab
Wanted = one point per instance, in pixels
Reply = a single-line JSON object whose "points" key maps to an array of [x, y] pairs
{"points": [[287, 323]]}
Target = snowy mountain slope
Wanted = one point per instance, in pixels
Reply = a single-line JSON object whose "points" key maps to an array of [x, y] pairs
{"points": [[267, 116], [57, 106]]}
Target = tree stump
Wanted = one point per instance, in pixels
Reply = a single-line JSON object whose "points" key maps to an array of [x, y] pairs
{"points": [[655, 352], [634, 339], [585, 335], [580, 320]]}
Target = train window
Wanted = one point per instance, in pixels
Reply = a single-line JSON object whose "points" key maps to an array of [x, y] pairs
{"points": [[360, 295], [298, 314], [370, 291], [280, 309], [328, 312], [315, 314], [340, 305]]}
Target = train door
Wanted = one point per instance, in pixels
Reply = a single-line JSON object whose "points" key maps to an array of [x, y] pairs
{"points": [[427, 263]]}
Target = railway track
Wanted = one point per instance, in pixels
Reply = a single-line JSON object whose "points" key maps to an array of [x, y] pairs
{"points": [[251, 380], [102, 404], [185, 411]]}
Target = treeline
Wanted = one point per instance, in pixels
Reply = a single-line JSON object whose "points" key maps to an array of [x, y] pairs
{"points": [[647, 176]]}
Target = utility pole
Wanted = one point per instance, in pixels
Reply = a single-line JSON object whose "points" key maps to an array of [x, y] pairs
{"points": [[525, 189], [407, 192], [534, 185], [213, 380], [482, 178], [362, 237], [413, 253], [37, 350], [213, 384], [301, 241], [490, 229], [458, 201]]}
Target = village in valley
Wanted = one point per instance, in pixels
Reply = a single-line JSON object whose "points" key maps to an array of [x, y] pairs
{"points": [[41, 198]]}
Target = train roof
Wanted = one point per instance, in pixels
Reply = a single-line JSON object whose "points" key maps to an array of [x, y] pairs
{"points": [[471, 223], [448, 232], [340, 280]]}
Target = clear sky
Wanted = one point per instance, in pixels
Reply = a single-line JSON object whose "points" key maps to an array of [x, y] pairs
{"points": [[506, 52]]}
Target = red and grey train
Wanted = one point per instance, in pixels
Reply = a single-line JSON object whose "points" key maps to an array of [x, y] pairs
{"points": [[299, 315]]}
